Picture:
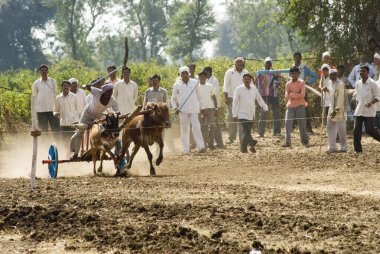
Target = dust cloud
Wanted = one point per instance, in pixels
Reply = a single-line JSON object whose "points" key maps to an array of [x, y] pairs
{"points": [[16, 157]]}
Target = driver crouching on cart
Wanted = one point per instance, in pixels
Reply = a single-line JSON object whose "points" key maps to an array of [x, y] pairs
{"points": [[102, 99]]}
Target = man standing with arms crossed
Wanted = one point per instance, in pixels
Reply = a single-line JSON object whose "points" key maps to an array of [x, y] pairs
{"points": [[125, 93], [232, 79]]}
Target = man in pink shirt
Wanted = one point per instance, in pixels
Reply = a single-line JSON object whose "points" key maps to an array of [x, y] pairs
{"points": [[295, 107]]}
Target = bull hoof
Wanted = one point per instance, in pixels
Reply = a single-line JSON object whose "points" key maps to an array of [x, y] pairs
{"points": [[100, 170], [129, 166], [158, 161], [152, 172]]}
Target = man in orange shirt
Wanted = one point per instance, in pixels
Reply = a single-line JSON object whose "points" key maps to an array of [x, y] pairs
{"points": [[295, 107]]}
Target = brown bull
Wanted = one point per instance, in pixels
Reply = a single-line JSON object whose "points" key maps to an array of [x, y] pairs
{"points": [[144, 130], [103, 138]]}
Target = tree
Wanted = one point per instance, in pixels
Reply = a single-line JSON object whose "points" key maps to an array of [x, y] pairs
{"points": [[344, 27], [147, 22], [18, 19], [74, 21], [190, 27], [253, 30]]}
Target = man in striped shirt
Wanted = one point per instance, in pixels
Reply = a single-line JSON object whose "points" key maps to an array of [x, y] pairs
{"points": [[295, 107]]}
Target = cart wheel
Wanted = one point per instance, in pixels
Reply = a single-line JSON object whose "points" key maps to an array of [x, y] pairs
{"points": [[53, 167]]}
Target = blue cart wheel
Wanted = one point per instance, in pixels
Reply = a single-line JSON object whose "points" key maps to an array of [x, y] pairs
{"points": [[53, 167]]}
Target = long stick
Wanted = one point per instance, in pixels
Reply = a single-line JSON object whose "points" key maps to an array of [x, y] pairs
{"points": [[323, 121], [35, 133]]}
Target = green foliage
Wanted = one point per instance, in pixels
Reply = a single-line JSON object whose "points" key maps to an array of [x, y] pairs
{"points": [[18, 18], [343, 27], [252, 31], [16, 106], [190, 27]]}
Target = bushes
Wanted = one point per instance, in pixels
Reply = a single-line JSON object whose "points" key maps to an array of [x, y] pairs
{"points": [[18, 104]]}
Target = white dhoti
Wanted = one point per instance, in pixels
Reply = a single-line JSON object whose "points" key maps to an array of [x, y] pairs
{"points": [[335, 128], [185, 120]]}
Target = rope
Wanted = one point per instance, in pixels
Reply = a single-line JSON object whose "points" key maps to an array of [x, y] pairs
{"points": [[153, 127]]}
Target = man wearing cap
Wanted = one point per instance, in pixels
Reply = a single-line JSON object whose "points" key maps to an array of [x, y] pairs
{"points": [[295, 107], [102, 99], [126, 92], [367, 95], [113, 77], [187, 102], [68, 109], [215, 83], [324, 82], [337, 113], [244, 108], [232, 79], [267, 84], [155, 93], [355, 76], [376, 65], [79, 92], [310, 78], [44, 91]]}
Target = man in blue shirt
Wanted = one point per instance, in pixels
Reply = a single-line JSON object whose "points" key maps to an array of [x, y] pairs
{"points": [[310, 78]]}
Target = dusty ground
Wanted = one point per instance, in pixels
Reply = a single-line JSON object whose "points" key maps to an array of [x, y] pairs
{"points": [[291, 200]]}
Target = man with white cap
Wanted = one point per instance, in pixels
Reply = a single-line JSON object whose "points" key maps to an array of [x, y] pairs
{"points": [[232, 79], [354, 76], [376, 64], [267, 84], [186, 100], [79, 92], [324, 82], [102, 99], [126, 92], [337, 113]]}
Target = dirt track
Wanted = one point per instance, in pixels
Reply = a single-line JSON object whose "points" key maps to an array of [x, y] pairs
{"points": [[291, 200]]}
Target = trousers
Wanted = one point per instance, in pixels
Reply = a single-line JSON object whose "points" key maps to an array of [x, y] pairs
{"points": [[369, 123], [333, 130], [185, 120], [296, 113]]}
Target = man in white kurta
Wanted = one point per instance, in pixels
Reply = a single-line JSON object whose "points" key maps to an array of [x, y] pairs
{"points": [[126, 92], [244, 108], [207, 118], [68, 109], [337, 114], [186, 100], [232, 79], [79, 92]]}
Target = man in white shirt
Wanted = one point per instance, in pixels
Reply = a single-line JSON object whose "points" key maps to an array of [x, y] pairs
{"points": [[68, 109], [187, 102], [324, 82], [215, 83], [232, 79], [355, 73], [113, 77], [207, 118], [44, 91], [244, 108], [367, 95], [79, 92], [337, 113], [102, 99], [125, 93]]}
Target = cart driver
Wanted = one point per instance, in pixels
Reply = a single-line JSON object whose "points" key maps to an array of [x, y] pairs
{"points": [[102, 99]]}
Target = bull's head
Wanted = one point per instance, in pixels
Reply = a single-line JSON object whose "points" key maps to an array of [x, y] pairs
{"points": [[111, 126], [159, 113]]}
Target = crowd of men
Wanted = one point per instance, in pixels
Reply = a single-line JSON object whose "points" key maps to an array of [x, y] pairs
{"points": [[196, 99]]}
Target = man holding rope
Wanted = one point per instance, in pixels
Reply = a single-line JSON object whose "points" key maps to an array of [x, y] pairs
{"points": [[187, 102]]}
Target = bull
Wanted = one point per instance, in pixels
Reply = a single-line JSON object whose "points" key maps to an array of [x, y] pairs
{"points": [[145, 130]]}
